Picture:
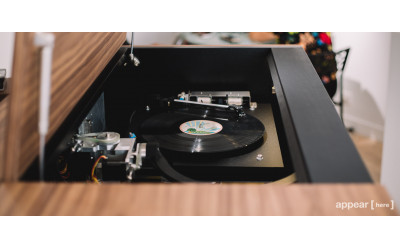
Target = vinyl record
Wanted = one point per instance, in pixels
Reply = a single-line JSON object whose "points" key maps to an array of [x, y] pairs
{"points": [[185, 132]]}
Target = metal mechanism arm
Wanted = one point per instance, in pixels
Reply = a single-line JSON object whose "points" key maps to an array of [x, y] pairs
{"points": [[237, 109]]}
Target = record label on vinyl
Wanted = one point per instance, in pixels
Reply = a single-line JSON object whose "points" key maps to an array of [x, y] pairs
{"points": [[200, 127]]}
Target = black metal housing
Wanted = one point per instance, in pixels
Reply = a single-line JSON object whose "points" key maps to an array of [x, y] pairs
{"points": [[319, 145], [312, 137]]}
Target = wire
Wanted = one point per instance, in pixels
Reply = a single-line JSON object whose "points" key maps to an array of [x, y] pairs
{"points": [[94, 178], [130, 119], [65, 173], [65, 177], [64, 170]]}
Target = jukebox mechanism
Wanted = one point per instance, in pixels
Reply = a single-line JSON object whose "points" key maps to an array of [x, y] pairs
{"points": [[213, 136]]}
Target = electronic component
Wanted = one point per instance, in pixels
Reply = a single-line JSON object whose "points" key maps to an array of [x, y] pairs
{"points": [[121, 153]]}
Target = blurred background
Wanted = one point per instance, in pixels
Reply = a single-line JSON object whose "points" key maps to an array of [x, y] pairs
{"points": [[369, 75]]}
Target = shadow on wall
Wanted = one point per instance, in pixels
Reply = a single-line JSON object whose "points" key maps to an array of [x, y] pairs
{"points": [[361, 111]]}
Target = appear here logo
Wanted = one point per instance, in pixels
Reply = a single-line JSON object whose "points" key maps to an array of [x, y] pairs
{"points": [[370, 205], [200, 127]]}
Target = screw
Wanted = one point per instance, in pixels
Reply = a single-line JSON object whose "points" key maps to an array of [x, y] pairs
{"points": [[260, 157]]}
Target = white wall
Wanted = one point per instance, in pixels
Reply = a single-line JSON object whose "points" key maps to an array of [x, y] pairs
{"points": [[390, 176], [365, 80], [6, 51]]}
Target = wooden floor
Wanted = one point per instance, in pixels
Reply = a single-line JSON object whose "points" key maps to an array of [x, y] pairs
{"points": [[371, 153]]}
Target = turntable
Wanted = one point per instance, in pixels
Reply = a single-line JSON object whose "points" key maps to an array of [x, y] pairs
{"points": [[216, 142], [205, 114]]}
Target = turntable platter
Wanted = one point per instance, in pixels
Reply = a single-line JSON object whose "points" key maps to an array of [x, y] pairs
{"points": [[183, 132]]}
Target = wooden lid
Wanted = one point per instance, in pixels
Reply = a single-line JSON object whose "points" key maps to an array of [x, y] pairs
{"points": [[78, 59]]}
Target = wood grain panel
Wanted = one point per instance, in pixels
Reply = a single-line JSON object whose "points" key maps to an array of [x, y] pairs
{"points": [[188, 199], [78, 59], [3, 127]]}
